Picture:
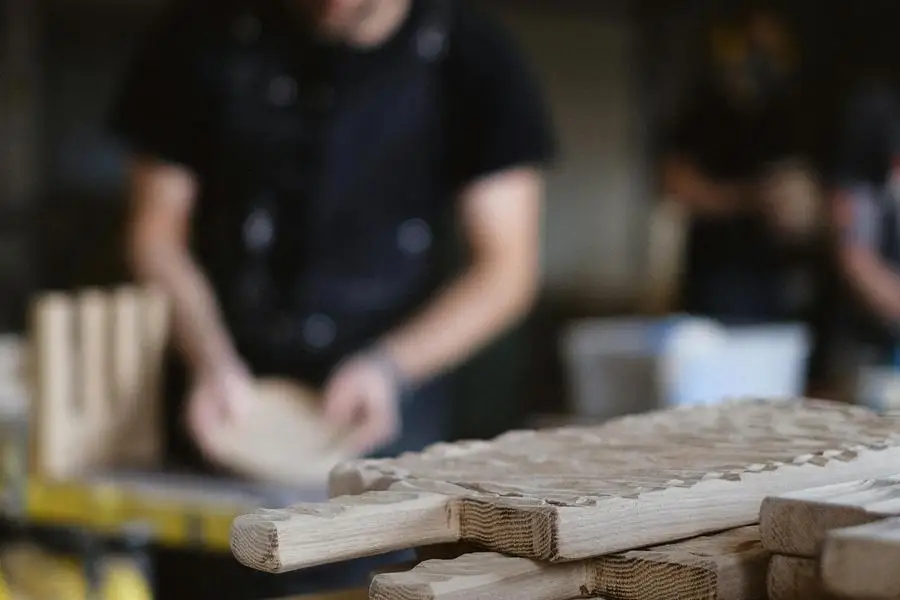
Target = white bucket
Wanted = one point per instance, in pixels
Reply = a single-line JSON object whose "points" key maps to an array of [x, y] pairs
{"points": [[622, 366]]}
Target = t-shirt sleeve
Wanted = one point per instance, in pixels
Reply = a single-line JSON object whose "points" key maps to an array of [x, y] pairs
{"points": [[502, 118], [160, 109]]}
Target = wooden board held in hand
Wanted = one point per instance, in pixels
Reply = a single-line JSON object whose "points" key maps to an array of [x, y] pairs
{"points": [[862, 562], [796, 523], [283, 438], [726, 566], [574, 493]]}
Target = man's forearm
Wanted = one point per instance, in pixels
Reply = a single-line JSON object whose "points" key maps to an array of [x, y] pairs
{"points": [[197, 326], [163, 195], [878, 284], [701, 193], [473, 310]]}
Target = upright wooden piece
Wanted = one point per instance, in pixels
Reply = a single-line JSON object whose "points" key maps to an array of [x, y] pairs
{"points": [[864, 561], [575, 493], [796, 523], [727, 566], [97, 366]]}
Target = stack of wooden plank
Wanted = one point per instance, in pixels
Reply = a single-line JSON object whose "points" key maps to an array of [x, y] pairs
{"points": [[835, 541], [650, 507], [95, 378]]}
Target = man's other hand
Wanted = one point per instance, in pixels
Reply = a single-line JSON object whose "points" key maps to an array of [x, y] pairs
{"points": [[218, 398], [363, 397]]}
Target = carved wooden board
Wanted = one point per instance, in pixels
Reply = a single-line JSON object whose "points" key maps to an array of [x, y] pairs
{"points": [[796, 523], [574, 493], [862, 562], [727, 566], [795, 578]]}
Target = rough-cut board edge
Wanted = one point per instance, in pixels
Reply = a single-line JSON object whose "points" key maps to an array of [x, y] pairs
{"points": [[730, 565], [863, 561], [290, 539], [796, 523], [795, 578]]}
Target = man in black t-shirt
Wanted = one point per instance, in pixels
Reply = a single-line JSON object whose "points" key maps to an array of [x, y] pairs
{"points": [[296, 163], [727, 160]]}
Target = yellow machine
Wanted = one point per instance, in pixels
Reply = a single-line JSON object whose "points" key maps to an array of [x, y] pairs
{"points": [[80, 433], [31, 573]]}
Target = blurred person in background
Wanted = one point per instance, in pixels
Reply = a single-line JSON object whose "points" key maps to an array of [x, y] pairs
{"points": [[866, 213], [297, 167], [733, 173]]}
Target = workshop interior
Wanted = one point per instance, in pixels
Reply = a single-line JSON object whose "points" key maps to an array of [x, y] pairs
{"points": [[712, 212]]}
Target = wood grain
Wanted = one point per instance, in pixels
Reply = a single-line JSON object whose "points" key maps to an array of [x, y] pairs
{"points": [[796, 523], [795, 578], [727, 566], [862, 561], [387, 521], [574, 493]]}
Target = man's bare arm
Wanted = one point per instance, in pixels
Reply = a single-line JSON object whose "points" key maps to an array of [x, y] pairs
{"points": [[856, 223], [163, 197], [875, 281], [697, 191], [501, 217]]}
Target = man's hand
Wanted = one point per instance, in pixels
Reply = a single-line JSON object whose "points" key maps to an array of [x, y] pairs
{"points": [[363, 395], [791, 199], [218, 398]]}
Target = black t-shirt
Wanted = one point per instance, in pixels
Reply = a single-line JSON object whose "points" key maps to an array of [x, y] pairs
{"points": [[731, 144], [499, 116], [733, 267], [363, 271]]}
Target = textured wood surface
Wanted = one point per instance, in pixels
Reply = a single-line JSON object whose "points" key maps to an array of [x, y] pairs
{"points": [[796, 523], [727, 566], [795, 578], [574, 493], [863, 561]]}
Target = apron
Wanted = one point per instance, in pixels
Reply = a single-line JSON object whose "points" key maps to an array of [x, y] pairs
{"points": [[320, 217]]}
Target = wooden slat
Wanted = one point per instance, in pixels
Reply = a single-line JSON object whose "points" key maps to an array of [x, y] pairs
{"points": [[154, 331], [864, 561], [574, 493], [92, 402], [796, 523], [54, 374], [126, 356], [727, 566]]}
